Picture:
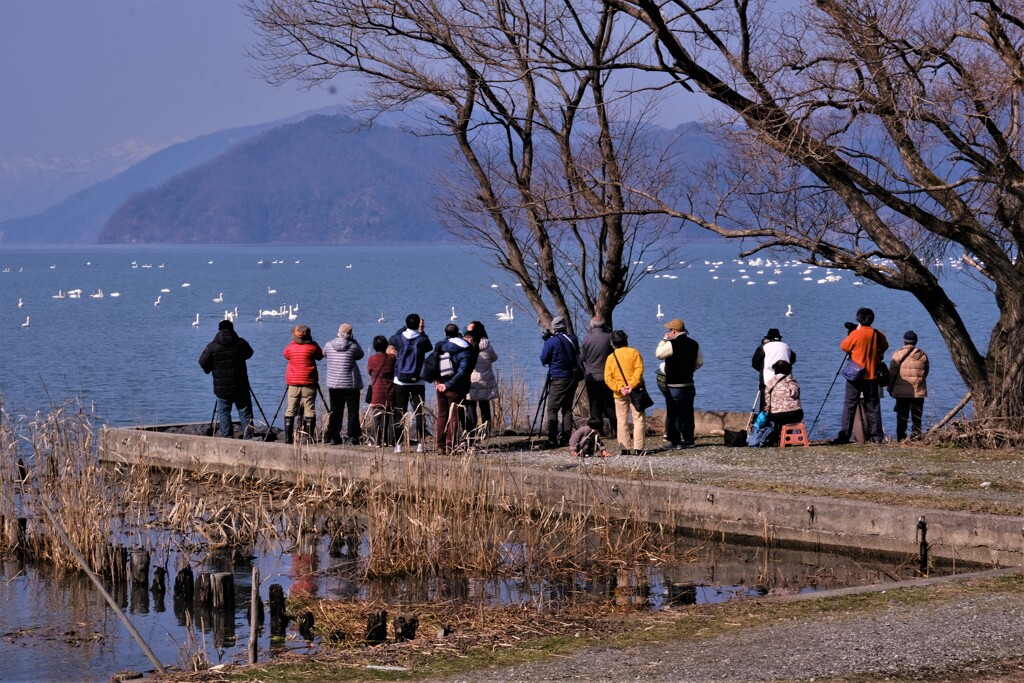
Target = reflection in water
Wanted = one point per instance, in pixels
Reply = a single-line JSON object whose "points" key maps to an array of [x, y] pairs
{"points": [[40, 603]]}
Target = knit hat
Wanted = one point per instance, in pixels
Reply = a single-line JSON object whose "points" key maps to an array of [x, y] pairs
{"points": [[773, 335], [302, 333], [345, 330], [910, 337], [676, 324], [558, 324], [225, 325]]}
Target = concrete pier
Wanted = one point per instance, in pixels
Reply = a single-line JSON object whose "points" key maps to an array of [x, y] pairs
{"points": [[812, 522]]}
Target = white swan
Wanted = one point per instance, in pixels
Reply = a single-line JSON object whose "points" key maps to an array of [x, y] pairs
{"points": [[454, 317], [381, 318], [507, 315], [98, 294], [659, 315], [259, 317], [291, 314], [196, 322], [186, 284], [21, 303], [25, 324], [219, 298], [115, 294], [58, 295], [271, 290], [158, 297], [165, 290], [789, 310]]}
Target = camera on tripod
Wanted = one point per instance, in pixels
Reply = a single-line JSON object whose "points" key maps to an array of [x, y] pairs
{"points": [[546, 334]]}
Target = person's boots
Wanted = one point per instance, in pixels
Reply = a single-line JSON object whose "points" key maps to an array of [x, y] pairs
{"points": [[552, 441], [310, 424], [289, 428]]}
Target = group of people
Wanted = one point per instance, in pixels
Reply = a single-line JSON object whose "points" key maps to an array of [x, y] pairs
{"points": [[866, 374], [399, 370], [612, 372]]}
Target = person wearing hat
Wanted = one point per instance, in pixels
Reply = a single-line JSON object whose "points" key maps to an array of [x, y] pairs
{"points": [[865, 346], [682, 356], [908, 370], [225, 357], [770, 352], [303, 381], [561, 355], [344, 385]]}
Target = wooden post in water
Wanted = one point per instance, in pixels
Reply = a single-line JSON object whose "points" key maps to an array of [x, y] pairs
{"points": [[204, 590], [254, 608], [278, 616], [184, 588], [139, 568], [405, 627], [222, 590], [159, 586]]}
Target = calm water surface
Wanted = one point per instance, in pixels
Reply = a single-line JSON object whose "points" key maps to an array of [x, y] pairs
{"points": [[137, 362]]}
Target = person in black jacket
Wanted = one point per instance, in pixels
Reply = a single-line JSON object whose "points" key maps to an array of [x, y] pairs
{"points": [[225, 357]]}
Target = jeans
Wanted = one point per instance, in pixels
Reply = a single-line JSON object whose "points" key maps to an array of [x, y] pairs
{"points": [[870, 390], [446, 428], [602, 402], [244, 404], [679, 424], [561, 393], [414, 394], [343, 400], [912, 408]]}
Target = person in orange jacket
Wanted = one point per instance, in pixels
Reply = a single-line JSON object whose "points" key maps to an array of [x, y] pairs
{"points": [[865, 346]]}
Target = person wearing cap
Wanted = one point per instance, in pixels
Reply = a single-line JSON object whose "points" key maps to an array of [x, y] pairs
{"points": [[597, 344], [561, 355], [865, 346], [303, 381], [771, 351], [344, 384], [683, 357], [225, 357], [908, 370]]}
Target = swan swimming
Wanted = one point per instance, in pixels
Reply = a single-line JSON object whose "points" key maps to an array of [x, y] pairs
{"points": [[196, 322], [789, 310], [25, 324], [659, 315]]}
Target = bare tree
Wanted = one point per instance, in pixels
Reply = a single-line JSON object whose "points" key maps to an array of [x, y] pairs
{"points": [[877, 135], [547, 141]]}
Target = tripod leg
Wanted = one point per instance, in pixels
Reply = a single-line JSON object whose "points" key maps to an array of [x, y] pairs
{"points": [[279, 404]]}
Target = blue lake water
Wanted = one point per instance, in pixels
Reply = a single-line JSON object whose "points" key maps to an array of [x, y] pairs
{"points": [[137, 362]]}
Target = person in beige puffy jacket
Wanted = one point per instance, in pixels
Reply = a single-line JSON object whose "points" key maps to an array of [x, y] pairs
{"points": [[908, 371]]}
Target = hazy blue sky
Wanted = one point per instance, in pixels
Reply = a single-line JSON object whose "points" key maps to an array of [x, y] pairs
{"points": [[83, 75], [79, 76]]}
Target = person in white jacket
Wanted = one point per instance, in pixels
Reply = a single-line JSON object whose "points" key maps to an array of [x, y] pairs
{"points": [[483, 386]]}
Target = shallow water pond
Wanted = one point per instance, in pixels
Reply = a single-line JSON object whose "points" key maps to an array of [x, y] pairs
{"points": [[56, 626]]}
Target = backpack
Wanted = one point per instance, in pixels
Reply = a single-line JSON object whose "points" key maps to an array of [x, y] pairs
{"points": [[407, 363], [445, 369]]}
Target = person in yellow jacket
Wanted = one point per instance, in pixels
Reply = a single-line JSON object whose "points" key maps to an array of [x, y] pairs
{"points": [[623, 370], [865, 345]]}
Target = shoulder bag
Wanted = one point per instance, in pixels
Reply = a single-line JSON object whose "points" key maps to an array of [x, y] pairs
{"points": [[638, 395]]}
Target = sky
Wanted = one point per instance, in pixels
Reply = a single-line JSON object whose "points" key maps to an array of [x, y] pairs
{"points": [[81, 76]]}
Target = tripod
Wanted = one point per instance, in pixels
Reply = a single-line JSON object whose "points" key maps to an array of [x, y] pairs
{"points": [[541, 404], [827, 394]]}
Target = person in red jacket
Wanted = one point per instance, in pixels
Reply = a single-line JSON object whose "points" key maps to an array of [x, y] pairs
{"points": [[302, 379], [865, 346]]}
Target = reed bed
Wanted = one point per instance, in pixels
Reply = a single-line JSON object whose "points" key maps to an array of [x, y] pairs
{"points": [[423, 522]]}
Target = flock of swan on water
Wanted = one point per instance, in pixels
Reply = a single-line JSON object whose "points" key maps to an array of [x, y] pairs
{"points": [[746, 274]]}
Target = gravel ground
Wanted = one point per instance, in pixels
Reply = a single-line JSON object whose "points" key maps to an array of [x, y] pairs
{"points": [[970, 637], [948, 478]]}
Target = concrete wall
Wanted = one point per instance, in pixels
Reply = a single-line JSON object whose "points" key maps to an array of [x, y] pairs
{"points": [[793, 521]]}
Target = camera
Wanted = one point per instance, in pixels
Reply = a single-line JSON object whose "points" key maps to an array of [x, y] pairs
{"points": [[850, 326], [546, 334]]}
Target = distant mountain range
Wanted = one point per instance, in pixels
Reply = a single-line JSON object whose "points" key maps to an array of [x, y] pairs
{"points": [[325, 179], [314, 178], [31, 184]]}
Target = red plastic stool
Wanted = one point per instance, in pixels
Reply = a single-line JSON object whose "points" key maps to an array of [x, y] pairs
{"points": [[793, 435]]}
